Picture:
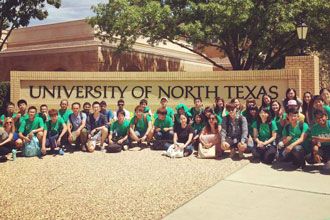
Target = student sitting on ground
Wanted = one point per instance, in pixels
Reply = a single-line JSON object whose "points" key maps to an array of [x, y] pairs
{"points": [[264, 135], [163, 129], [140, 127], [77, 132], [96, 127], [118, 134], [54, 131], [197, 125], [320, 140], [6, 137], [234, 132], [30, 127], [182, 139], [294, 140], [210, 135]]}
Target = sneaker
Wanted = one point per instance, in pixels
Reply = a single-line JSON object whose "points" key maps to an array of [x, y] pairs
{"points": [[61, 152], [326, 166], [102, 148], [83, 148], [232, 153], [240, 155], [144, 144], [125, 147]]}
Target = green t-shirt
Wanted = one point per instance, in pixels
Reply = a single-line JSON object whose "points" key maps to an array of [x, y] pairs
{"points": [[170, 113], [219, 119], [296, 132], [141, 124], [327, 109], [277, 120], [27, 126], [40, 115], [264, 133], [250, 128], [198, 127], [120, 129], [54, 128], [146, 109], [194, 111], [65, 114], [166, 123], [319, 131]]}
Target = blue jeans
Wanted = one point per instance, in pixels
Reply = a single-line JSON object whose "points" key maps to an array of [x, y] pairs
{"points": [[51, 141], [162, 135]]}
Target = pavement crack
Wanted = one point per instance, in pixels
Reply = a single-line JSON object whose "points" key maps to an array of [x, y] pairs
{"points": [[278, 187]]}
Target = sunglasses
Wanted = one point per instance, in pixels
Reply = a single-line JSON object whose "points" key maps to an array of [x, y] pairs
{"points": [[120, 104], [162, 113]]}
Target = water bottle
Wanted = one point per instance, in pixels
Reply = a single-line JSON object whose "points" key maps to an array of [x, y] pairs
{"points": [[13, 154]]}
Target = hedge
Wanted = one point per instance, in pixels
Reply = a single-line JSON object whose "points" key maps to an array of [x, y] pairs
{"points": [[4, 96]]}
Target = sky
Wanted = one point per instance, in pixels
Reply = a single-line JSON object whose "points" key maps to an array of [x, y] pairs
{"points": [[70, 10]]}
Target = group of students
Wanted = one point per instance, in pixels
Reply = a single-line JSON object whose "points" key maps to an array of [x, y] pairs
{"points": [[292, 130]]}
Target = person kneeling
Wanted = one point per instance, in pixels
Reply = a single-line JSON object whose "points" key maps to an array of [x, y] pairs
{"points": [[209, 146], [320, 140], [234, 132], [163, 130], [264, 134], [294, 137], [140, 128], [54, 130], [118, 136], [182, 139], [31, 132], [96, 127]]}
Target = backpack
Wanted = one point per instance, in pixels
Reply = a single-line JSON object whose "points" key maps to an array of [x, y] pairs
{"points": [[114, 148], [32, 148]]}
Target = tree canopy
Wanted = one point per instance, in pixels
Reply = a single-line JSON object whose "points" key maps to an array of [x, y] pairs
{"points": [[254, 34], [18, 13]]}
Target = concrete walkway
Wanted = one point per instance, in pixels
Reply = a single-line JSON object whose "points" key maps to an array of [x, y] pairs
{"points": [[258, 191]]}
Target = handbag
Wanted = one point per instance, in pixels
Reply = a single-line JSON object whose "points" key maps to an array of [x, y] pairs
{"points": [[205, 153], [174, 152], [32, 149]]}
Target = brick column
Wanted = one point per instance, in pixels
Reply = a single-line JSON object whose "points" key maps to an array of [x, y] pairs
{"points": [[310, 73]]}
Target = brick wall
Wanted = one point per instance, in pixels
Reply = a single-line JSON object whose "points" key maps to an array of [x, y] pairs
{"points": [[309, 66]]}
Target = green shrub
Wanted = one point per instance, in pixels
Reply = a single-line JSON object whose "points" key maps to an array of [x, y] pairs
{"points": [[4, 95]]}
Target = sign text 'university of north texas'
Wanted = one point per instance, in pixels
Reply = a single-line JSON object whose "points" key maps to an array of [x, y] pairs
{"points": [[176, 92]]}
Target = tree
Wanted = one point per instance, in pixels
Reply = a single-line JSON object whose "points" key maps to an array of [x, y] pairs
{"points": [[254, 34], [18, 13]]}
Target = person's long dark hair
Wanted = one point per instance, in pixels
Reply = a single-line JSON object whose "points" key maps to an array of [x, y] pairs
{"points": [[217, 109], [208, 126], [273, 114], [263, 104], [269, 118], [249, 117], [285, 101], [305, 106]]}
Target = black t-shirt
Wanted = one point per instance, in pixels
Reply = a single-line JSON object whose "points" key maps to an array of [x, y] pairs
{"points": [[183, 133]]}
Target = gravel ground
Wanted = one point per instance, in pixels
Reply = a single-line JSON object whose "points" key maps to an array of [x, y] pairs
{"points": [[127, 185]]}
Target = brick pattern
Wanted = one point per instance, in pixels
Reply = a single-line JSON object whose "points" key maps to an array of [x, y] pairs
{"points": [[309, 67]]}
